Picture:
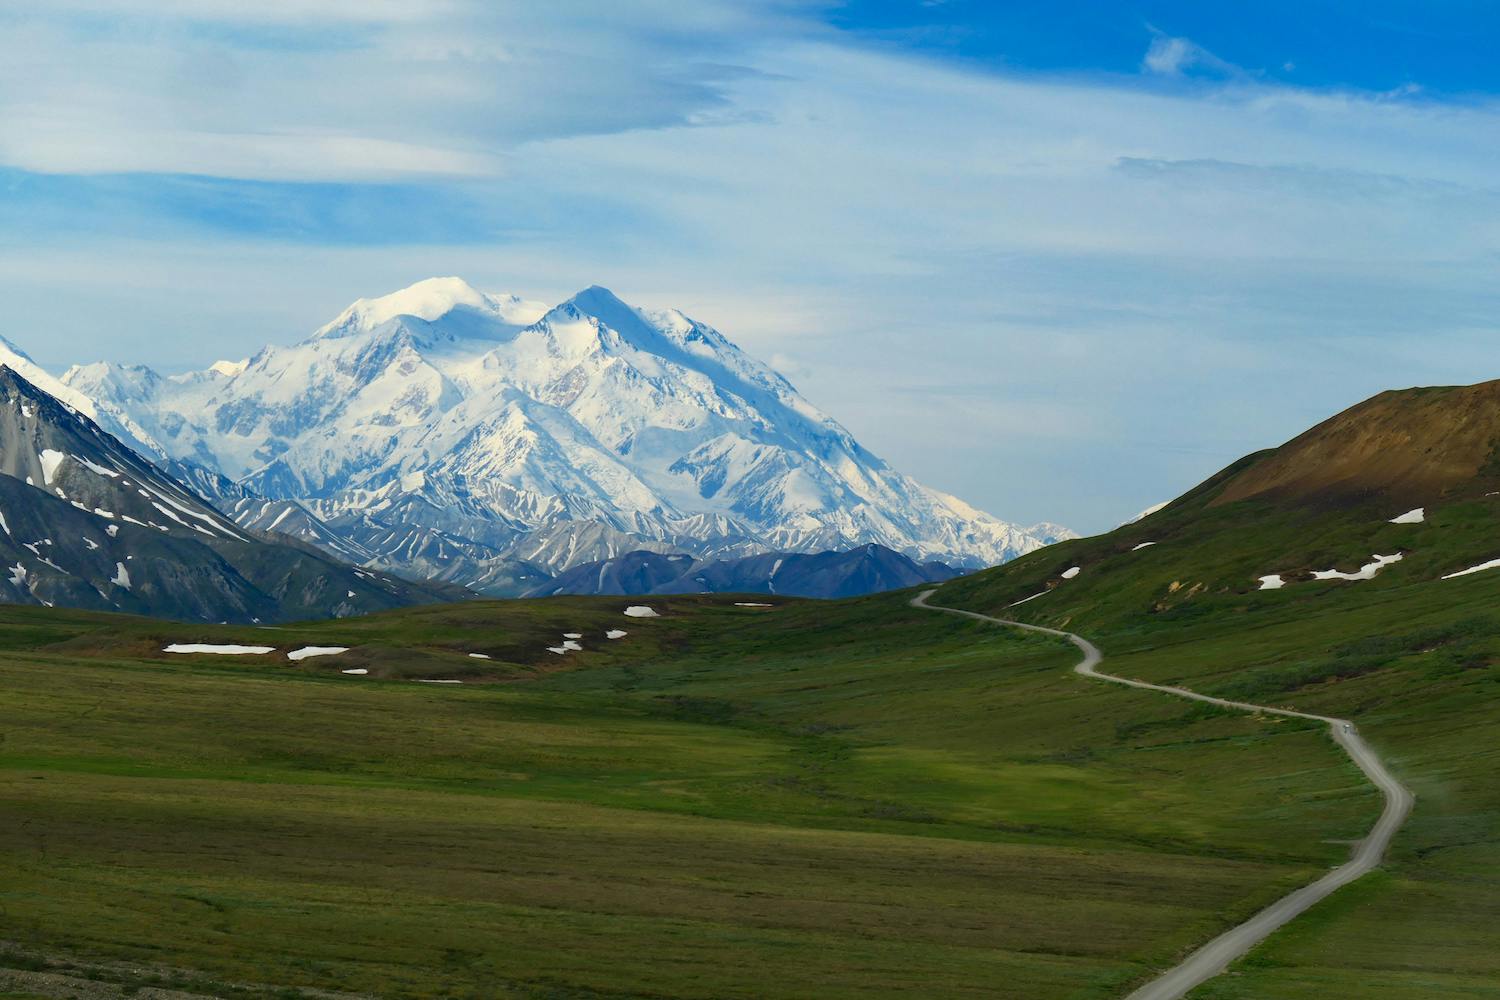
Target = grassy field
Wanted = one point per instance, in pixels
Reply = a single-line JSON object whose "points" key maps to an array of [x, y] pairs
{"points": [[1413, 658], [829, 800]]}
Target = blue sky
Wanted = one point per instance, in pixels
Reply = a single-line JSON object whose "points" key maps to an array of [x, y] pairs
{"points": [[1097, 250]]}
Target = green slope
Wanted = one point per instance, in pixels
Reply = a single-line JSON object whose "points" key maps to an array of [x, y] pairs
{"points": [[837, 800], [1410, 656]]}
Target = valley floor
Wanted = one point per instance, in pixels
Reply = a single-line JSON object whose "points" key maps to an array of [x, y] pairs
{"points": [[838, 800]]}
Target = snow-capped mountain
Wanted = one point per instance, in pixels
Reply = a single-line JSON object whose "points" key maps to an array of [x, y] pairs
{"points": [[86, 522], [510, 435]]}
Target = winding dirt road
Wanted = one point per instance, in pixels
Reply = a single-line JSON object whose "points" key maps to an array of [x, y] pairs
{"points": [[1215, 956]]}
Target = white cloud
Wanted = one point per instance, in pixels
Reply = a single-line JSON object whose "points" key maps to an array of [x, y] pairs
{"points": [[353, 91], [1085, 289], [1168, 56]]}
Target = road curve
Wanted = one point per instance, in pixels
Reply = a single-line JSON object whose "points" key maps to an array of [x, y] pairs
{"points": [[1214, 957]]}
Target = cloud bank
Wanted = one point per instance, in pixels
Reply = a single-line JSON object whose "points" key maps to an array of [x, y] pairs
{"points": [[1094, 290]]}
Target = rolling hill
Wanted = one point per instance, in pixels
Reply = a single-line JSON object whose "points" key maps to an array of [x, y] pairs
{"points": [[1353, 571]]}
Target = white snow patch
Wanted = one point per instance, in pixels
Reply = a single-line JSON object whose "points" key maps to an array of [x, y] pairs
{"points": [[18, 574], [1416, 516], [90, 543], [350, 594], [424, 680], [640, 611], [752, 604], [616, 633], [98, 470], [113, 529], [559, 650], [479, 656], [50, 461], [572, 646], [1143, 545], [1474, 569], [1147, 512], [1068, 574], [359, 671], [6, 526], [1025, 599], [1365, 572], [307, 652], [1272, 581], [222, 649], [572, 635], [121, 577]]}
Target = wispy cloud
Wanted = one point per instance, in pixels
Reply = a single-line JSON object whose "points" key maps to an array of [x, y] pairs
{"points": [[1169, 56], [349, 91], [1073, 268]]}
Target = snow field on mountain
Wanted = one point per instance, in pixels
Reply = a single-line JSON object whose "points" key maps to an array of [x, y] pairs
{"points": [[506, 418]]}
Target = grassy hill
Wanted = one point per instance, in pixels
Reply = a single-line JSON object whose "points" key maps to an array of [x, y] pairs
{"points": [[1408, 654]]}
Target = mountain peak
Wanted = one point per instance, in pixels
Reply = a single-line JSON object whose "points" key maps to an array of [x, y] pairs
{"points": [[607, 307], [430, 299], [20, 363]]}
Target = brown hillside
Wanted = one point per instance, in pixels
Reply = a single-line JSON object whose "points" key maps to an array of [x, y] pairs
{"points": [[1408, 446]]}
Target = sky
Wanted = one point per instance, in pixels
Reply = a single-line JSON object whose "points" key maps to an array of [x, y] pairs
{"points": [[1062, 260]]}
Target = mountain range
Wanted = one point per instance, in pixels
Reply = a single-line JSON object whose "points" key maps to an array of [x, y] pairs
{"points": [[867, 569], [486, 440]]}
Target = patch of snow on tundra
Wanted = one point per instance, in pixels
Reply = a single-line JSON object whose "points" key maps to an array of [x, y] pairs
{"points": [[307, 652], [1365, 572], [479, 656], [424, 680], [1272, 582], [1143, 545], [616, 633], [1411, 517], [121, 577], [572, 646], [1025, 599], [18, 574], [223, 649], [752, 604], [1474, 569], [572, 635], [1068, 574], [359, 671], [640, 611]]}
